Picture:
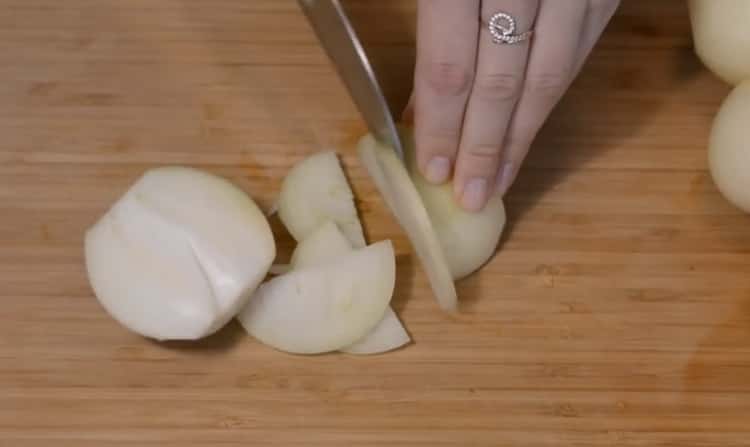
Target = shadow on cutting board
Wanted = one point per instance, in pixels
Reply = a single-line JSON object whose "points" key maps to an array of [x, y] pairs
{"points": [[222, 341], [611, 100], [610, 103], [390, 43]]}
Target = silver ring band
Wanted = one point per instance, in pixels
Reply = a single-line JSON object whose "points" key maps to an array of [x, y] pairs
{"points": [[502, 27]]}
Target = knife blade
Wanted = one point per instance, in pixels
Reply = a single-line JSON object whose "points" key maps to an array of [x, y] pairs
{"points": [[343, 47]]}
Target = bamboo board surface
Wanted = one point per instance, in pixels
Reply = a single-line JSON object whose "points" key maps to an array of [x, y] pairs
{"points": [[617, 311]]}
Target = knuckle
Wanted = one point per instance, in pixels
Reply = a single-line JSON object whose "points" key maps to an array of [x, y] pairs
{"points": [[438, 141], [440, 136], [449, 78], [484, 153], [499, 86], [549, 85], [435, 146], [442, 131]]}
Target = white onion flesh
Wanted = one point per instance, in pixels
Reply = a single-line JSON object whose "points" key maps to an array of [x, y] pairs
{"points": [[316, 191], [324, 308], [178, 255], [728, 149], [721, 38], [399, 193], [388, 335], [468, 239], [326, 245]]}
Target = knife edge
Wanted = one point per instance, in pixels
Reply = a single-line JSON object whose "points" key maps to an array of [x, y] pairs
{"points": [[343, 47]]}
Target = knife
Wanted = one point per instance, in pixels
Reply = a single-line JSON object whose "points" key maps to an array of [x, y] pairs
{"points": [[338, 38]]}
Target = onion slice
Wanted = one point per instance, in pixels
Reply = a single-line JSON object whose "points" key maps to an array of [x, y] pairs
{"points": [[324, 308], [399, 193], [316, 191], [327, 244]]}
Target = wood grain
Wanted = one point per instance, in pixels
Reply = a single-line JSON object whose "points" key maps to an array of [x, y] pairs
{"points": [[617, 311]]}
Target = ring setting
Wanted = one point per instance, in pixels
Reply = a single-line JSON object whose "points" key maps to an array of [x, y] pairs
{"points": [[502, 27]]}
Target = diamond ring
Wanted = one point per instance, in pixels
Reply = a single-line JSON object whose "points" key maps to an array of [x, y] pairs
{"points": [[502, 27]]}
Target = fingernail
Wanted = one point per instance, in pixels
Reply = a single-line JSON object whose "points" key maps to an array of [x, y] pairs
{"points": [[474, 195], [503, 181], [438, 169]]}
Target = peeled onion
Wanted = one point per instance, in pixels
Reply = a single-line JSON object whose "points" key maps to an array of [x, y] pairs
{"points": [[178, 255], [721, 37], [729, 149]]}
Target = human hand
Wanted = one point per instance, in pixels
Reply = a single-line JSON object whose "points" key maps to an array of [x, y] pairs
{"points": [[477, 105]]}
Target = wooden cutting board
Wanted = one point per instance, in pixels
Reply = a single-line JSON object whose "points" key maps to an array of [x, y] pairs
{"points": [[617, 311]]}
